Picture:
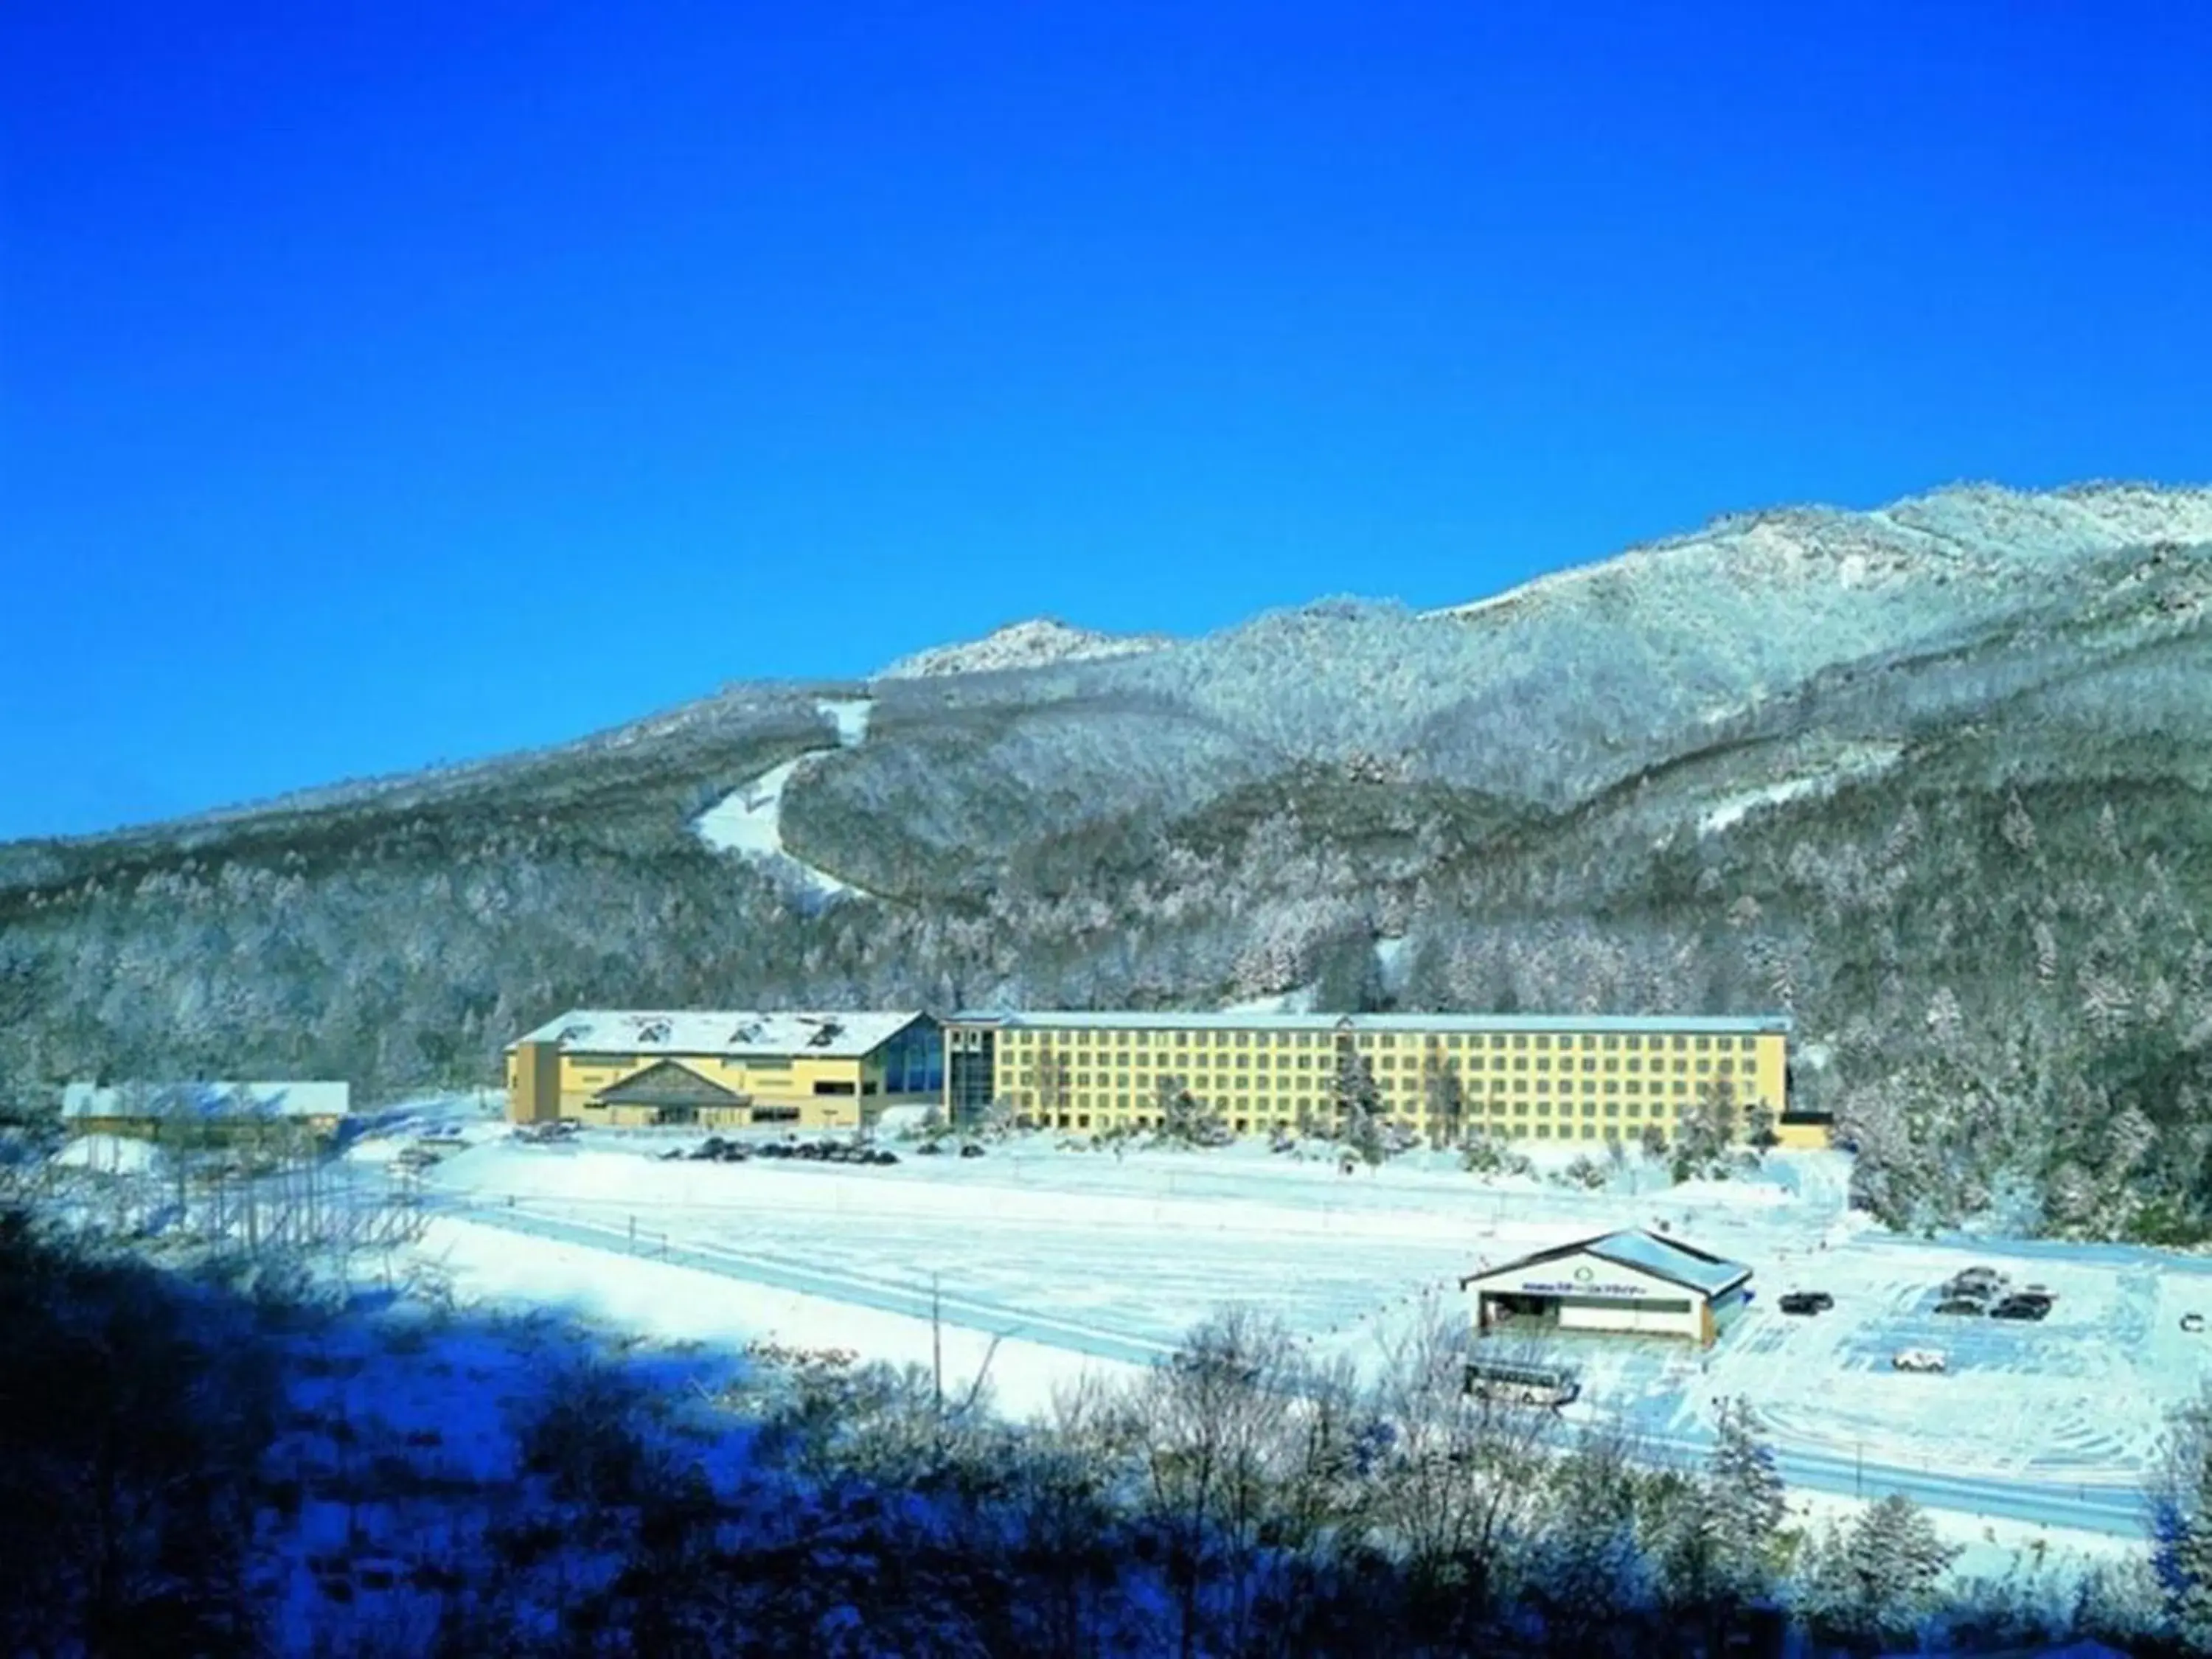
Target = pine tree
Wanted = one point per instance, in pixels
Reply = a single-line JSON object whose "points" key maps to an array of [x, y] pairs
{"points": [[2189, 1559], [1882, 1579], [1747, 1501], [1358, 1104], [1446, 1100]]}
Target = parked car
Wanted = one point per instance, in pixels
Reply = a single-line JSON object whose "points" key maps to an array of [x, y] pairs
{"points": [[1807, 1301], [930, 1149], [1959, 1304], [1919, 1359], [2192, 1322], [776, 1149], [971, 1150], [883, 1157], [2021, 1307], [1979, 1289]]}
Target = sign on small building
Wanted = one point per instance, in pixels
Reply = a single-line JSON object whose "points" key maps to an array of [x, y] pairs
{"points": [[1630, 1282]]}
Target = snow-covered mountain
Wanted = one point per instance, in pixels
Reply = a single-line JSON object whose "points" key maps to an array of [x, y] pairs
{"points": [[1037, 643], [1940, 773]]}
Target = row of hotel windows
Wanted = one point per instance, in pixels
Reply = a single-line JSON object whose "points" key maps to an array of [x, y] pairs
{"points": [[1402, 1085], [1454, 1041], [1540, 1127], [1386, 1070], [1081, 1093]]}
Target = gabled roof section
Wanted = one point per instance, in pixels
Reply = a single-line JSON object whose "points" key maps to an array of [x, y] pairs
{"points": [[734, 1035], [668, 1083], [1658, 1255]]}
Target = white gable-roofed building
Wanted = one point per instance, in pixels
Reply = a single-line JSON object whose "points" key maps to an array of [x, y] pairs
{"points": [[140, 1108], [1631, 1282]]}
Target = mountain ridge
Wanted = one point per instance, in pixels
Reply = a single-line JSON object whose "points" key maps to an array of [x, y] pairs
{"points": [[1649, 785]]}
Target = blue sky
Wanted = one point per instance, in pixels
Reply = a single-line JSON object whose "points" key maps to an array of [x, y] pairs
{"points": [[387, 383]]}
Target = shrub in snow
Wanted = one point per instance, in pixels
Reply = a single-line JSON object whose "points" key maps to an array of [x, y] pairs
{"points": [[583, 1436], [1484, 1153], [1585, 1172]]}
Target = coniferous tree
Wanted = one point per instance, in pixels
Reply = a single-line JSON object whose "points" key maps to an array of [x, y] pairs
{"points": [[1878, 1579], [1747, 1501], [1446, 1099], [1358, 1102]]}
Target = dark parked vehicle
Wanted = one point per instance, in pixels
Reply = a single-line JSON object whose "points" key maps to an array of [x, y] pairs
{"points": [[883, 1158], [2192, 1322], [2021, 1307], [776, 1149], [1807, 1301], [930, 1149], [971, 1150], [1959, 1304]]}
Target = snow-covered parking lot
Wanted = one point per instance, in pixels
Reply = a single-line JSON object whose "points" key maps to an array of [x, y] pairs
{"points": [[1078, 1258]]}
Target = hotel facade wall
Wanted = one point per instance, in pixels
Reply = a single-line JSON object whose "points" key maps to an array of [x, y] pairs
{"points": [[1549, 1084], [800, 1091]]}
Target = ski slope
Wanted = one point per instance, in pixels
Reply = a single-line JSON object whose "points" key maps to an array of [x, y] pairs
{"points": [[748, 820]]}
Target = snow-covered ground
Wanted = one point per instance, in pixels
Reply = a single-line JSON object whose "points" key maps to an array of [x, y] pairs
{"points": [[1113, 1258], [619, 1289], [108, 1155]]}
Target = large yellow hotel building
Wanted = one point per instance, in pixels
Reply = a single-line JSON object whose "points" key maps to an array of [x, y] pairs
{"points": [[1586, 1078]]}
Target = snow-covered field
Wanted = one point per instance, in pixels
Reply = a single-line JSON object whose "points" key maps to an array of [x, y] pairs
{"points": [[1105, 1259]]}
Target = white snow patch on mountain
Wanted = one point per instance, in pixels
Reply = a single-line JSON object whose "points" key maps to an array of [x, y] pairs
{"points": [[851, 716], [1864, 761], [748, 820], [1299, 999], [1390, 962], [1037, 643]]}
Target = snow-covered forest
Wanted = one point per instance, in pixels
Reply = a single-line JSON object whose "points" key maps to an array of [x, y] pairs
{"points": [[1934, 780], [225, 1458]]}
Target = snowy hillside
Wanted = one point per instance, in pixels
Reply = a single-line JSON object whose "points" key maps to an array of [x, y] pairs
{"points": [[1037, 643], [1935, 778]]}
